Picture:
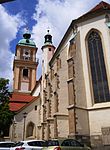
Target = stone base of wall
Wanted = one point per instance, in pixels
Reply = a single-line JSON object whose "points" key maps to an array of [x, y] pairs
{"points": [[84, 139], [96, 140], [101, 148], [97, 143]]}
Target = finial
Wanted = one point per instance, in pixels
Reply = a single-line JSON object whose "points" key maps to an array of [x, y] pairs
{"points": [[26, 34], [48, 30]]}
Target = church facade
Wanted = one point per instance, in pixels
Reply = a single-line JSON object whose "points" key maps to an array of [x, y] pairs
{"points": [[72, 97]]}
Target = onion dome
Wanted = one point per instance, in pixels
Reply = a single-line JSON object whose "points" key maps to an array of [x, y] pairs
{"points": [[26, 40]]}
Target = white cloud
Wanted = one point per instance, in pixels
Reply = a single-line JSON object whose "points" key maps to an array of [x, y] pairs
{"points": [[9, 26], [57, 15]]}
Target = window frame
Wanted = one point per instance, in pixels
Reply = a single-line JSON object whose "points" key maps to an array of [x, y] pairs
{"points": [[32, 125], [89, 66], [24, 76]]}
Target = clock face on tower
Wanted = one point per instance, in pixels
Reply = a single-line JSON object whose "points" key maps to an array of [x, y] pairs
{"points": [[26, 54]]}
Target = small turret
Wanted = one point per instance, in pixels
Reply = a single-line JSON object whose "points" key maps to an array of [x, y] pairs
{"points": [[48, 38], [27, 35], [48, 50]]}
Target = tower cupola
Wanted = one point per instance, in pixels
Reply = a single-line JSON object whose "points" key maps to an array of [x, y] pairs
{"points": [[26, 40], [27, 35], [48, 38]]}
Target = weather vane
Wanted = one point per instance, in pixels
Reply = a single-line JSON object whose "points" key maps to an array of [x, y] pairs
{"points": [[48, 29]]}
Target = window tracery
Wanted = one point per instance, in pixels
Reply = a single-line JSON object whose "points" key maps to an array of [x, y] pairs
{"points": [[97, 67]]}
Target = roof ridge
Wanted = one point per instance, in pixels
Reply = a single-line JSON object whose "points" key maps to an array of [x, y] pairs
{"points": [[100, 5]]}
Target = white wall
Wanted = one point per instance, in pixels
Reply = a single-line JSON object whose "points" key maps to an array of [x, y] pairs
{"points": [[37, 91], [32, 116], [99, 24], [98, 120], [98, 116]]}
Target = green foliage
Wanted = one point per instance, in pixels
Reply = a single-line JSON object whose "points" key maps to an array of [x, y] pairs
{"points": [[6, 116], [4, 91]]}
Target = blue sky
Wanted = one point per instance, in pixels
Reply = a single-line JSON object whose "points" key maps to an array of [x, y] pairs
{"points": [[37, 15], [26, 10]]}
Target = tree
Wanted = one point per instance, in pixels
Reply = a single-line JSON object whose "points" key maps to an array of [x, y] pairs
{"points": [[6, 116]]}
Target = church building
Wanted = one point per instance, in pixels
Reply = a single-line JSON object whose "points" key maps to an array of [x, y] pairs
{"points": [[72, 98]]}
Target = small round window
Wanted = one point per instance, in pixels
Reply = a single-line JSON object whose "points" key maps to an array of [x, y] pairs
{"points": [[26, 53]]}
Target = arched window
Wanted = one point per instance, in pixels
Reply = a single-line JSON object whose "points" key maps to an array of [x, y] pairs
{"points": [[30, 129], [97, 67], [72, 48], [26, 54], [25, 73]]}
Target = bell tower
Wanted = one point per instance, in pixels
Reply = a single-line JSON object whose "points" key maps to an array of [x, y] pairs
{"points": [[25, 65], [48, 50]]}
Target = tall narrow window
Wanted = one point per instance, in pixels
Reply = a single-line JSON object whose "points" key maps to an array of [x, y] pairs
{"points": [[25, 73], [30, 129], [98, 70]]}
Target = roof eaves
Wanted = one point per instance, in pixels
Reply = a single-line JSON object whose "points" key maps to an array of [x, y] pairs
{"points": [[61, 43], [101, 5], [90, 14], [25, 44], [14, 101], [27, 104]]}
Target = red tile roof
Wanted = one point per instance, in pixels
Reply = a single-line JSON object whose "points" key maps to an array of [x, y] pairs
{"points": [[16, 106], [19, 100], [102, 6], [21, 97]]}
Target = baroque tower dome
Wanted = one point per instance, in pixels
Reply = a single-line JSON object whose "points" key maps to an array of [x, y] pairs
{"points": [[26, 40]]}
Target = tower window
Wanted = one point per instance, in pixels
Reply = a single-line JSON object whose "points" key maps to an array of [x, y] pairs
{"points": [[25, 73], [49, 49], [98, 70], [58, 63], [35, 107], [26, 54]]}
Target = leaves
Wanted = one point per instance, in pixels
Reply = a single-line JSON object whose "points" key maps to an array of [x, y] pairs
{"points": [[4, 92], [6, 115]]}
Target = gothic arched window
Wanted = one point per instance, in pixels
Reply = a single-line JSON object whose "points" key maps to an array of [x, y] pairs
{"points": [[72, 48], [97, 67], [30, 129]]}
